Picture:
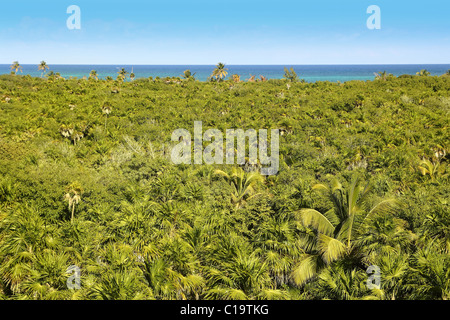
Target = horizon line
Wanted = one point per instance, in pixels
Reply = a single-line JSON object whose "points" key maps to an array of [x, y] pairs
{"points": [[285, 64]]}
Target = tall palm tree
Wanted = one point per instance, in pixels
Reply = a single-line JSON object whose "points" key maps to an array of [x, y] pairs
{"points": [[43, 67], [106, 109], [73, 196], [93, 75], [16, 67], [122, 74], [331, 236], [243, 184], [219, 72]]}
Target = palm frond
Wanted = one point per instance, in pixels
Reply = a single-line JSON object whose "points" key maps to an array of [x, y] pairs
{"points": [[313, 218], [331, 249]]}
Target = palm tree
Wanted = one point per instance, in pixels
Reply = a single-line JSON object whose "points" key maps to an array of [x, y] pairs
{"points": [[73, 196], [394, 272], [66, 131], [43, 67], [236, 78], [432, 168], [423, 73], [122, 74], [382, 75], [432, 272], [341, 284], [251, 79], [242, 277], [93, 75], [331, 236], [188, 75], [290, 75], [219, 72], [16, 67], [132, 75], [24, 234], [243, 184], [106, 109], [58, 76]]}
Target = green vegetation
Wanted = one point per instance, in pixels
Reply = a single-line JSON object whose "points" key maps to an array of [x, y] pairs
{"points": [[86, 180], [290, 75]]}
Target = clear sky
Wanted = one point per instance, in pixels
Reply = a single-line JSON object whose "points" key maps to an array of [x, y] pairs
{"points": [[231, 31]]}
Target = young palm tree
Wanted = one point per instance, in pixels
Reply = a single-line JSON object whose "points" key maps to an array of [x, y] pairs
{"points": [[243, 184], [122, 74], [338, 283], [43, 67], [431, 270], [290, 75], [93, 75], [382, 75], [236, 78], [433, 169], [132, 75], [219, 72], [73, 196], [331, 236], [15, 67], [66, 130], [243, 276], [394, 272], [423, 73], [188, 75]]}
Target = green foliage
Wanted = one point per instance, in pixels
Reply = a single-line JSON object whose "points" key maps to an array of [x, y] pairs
{"points": [[86, 179], [290, 75]]}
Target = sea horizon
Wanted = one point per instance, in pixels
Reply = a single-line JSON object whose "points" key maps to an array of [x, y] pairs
{"points": [[308, 72]]}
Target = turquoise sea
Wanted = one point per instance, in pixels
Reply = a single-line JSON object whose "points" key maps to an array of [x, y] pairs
{"points": [[310, 73]]}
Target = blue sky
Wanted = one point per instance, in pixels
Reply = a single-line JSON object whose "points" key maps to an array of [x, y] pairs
{"points": [[233, 32]]}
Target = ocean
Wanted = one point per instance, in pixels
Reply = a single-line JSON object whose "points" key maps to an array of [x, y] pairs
{"points": [[310, 73]]}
